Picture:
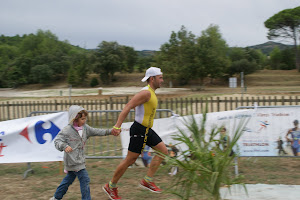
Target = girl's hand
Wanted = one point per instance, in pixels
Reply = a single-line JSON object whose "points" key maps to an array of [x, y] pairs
{"points": [[68, 149]]}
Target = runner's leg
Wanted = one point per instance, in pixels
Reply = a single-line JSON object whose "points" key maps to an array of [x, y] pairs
{"points": [[157, 159], [122, 167]]}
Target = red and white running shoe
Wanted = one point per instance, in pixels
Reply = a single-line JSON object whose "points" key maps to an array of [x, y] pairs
{"points": [[150, 186], [112, 193]]}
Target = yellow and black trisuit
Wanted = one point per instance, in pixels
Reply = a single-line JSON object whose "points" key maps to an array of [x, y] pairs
{"points": [[140, 131]]}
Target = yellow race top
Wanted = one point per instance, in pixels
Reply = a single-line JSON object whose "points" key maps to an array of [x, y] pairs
{"points": [[145, 113]]}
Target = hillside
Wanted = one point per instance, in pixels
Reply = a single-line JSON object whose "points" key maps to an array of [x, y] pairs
{"points": [[146, 53], [267, 47], [280, 78]]}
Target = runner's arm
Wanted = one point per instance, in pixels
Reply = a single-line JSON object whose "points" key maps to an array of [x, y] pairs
{"points": [[140, 98]]}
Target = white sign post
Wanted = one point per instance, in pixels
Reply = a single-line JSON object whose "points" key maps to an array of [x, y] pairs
{"points": [[232, 82]]}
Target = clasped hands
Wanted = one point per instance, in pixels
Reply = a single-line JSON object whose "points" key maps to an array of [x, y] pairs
{"points": [[116, 131]]}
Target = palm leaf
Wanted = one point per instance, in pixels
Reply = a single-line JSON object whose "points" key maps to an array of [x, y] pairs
{"points": [[204, 168]]}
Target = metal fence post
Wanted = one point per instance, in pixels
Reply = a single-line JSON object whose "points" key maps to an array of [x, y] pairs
{"points": [[236, 166], [29, 169], [8, 115]]}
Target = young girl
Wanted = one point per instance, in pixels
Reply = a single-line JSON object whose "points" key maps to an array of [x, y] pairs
{"points": [[71, 139]]}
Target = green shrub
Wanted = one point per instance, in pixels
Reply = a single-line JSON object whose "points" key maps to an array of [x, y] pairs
{"points": [[94, 82]]}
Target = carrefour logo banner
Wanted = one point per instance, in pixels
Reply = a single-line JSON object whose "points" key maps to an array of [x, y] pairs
{"points": [[31, 139]]}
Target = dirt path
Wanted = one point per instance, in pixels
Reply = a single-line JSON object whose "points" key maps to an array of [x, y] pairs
{"points": [[83, 91], [64, 93]]}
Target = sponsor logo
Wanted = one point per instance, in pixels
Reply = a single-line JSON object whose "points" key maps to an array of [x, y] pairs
{"points": [[2, 145], [40, 131]]}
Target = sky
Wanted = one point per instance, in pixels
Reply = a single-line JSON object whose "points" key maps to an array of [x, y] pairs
{"points": [[141, 24]]}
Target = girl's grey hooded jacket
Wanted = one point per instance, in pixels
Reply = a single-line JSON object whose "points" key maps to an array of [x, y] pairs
{"points": [[68, 136]]}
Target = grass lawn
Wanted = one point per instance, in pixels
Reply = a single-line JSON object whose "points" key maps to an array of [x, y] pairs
{"points": [[45, 179]]}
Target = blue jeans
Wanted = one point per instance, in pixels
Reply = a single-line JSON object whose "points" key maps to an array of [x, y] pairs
{"points": [[69, 179]]}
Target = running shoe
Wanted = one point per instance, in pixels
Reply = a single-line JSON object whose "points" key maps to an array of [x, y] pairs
{"points": [[112, 193], [150, 186]]}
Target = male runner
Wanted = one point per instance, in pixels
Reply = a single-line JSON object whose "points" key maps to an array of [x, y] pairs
{"points": [[141, 134]]}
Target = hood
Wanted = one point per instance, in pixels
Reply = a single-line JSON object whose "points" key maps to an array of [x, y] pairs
{"points": [[73, 111]]}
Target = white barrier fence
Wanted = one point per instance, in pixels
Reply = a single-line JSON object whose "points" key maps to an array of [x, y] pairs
{"points": [[31, 139], [264, 134]]}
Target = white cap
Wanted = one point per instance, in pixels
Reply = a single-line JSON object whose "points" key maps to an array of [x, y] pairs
{"points": [[152, 71]]}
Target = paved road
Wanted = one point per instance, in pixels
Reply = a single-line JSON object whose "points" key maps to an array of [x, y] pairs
{"points": [[262, 192]]}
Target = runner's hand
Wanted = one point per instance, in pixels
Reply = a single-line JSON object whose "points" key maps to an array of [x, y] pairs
{"points": [[115, 132]]}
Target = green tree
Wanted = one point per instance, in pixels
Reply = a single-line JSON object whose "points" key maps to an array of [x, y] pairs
{"points": [[144, 62], [129, 58], [42, 74], [8, 54], [72, 78], [11, 41], [282, 59], [81, 66], [251, 59], [45, 48], [94, 82], [239, 66], [12, 76], [257, 57], [177, 57], [275, 58], [186, 57], [288, 59], [108, 60], [211, 54], [19, 55], [237, 53], [286, 24], [24, 63]]}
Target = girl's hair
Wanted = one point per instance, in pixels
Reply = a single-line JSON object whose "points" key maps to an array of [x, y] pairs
{"points": [[79, 115]]}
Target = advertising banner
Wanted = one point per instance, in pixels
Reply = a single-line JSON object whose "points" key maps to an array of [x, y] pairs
{"points": [[268, 132], [272, 132], [167, 128], [31, 139]]}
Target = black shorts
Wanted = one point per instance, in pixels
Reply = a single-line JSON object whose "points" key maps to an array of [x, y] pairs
{"points": [[137, 136]]}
